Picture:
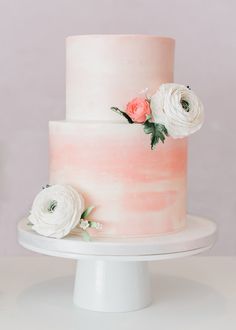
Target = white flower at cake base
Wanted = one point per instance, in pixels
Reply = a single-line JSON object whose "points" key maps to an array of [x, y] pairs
{"points": [[97, 225], [84, 224], [178, 109], [56, 210]]}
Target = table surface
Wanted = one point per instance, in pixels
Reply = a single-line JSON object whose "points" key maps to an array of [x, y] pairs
{"points": [[189, 293]]}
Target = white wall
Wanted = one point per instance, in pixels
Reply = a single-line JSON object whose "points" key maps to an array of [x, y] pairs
{"points": [[32, 91]]}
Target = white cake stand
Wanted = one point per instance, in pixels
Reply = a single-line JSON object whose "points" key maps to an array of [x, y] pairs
{"points": [[112, 274]]}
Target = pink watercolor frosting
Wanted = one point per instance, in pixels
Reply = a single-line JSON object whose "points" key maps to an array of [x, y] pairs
{"points": [[136, 191]]}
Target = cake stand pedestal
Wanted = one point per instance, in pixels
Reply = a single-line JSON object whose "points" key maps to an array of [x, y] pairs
{"points": [[112, 274]]}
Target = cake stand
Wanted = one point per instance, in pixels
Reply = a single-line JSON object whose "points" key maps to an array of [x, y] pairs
{"points": [[112, 274]]}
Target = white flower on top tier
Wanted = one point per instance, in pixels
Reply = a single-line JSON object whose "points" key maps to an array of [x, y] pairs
{"points": [[56, 210], [178, 109]]}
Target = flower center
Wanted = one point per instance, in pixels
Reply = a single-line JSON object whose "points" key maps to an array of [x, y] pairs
{"points": [[185, 105], [52, 206]]}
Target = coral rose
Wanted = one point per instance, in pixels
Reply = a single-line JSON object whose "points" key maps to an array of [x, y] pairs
{"points": [[138, 109]]}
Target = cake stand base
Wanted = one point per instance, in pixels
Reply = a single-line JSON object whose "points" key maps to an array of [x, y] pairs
{"points": [[112, 286], [112, 274]]}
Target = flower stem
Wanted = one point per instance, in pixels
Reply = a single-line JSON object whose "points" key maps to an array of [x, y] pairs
{"points": [[122, 113]]}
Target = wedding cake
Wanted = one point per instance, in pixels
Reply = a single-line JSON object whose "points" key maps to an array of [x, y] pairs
{"points": [[118, 162]]}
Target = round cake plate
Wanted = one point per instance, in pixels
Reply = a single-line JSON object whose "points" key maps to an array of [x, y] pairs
{"points": [[112, 274]]}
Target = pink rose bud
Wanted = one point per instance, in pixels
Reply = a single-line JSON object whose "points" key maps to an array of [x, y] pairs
{"points": [[138, 109]]}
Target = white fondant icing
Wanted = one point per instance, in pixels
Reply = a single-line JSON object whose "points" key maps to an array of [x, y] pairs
{"points": [[110, 70]]}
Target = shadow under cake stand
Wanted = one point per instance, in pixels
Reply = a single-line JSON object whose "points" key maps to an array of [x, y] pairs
{"points": [[112, 274]]}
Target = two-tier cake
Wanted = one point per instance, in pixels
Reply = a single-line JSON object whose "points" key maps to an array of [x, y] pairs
{"points": [[118, 162]]}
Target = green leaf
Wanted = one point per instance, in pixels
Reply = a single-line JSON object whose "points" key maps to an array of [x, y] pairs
{"points": [[160, 135], [85, 236], [93, 224], [163, 129], [154, 140], [148, 127], [157, 131], [86, 212], [122, 113]]}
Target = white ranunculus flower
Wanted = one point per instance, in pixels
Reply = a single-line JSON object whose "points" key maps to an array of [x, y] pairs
{"points": [[178, 108], [56, 210]]}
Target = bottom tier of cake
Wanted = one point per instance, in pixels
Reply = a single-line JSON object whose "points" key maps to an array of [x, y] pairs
{"points": [[136, 191]]}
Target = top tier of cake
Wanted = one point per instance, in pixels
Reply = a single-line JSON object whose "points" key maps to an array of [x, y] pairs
{"points": [[110, 70]]}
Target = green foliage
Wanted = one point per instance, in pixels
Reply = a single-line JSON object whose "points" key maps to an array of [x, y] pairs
{"points": [[85, 235], [93, 224], [158, 132], [122, 113], [86, 212]]}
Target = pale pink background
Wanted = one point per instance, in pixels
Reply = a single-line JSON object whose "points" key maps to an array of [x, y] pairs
{"points": [[32, 92]]}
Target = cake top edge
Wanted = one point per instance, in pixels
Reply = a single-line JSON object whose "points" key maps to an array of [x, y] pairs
{"points": [[125, 36], [82, 122]]}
